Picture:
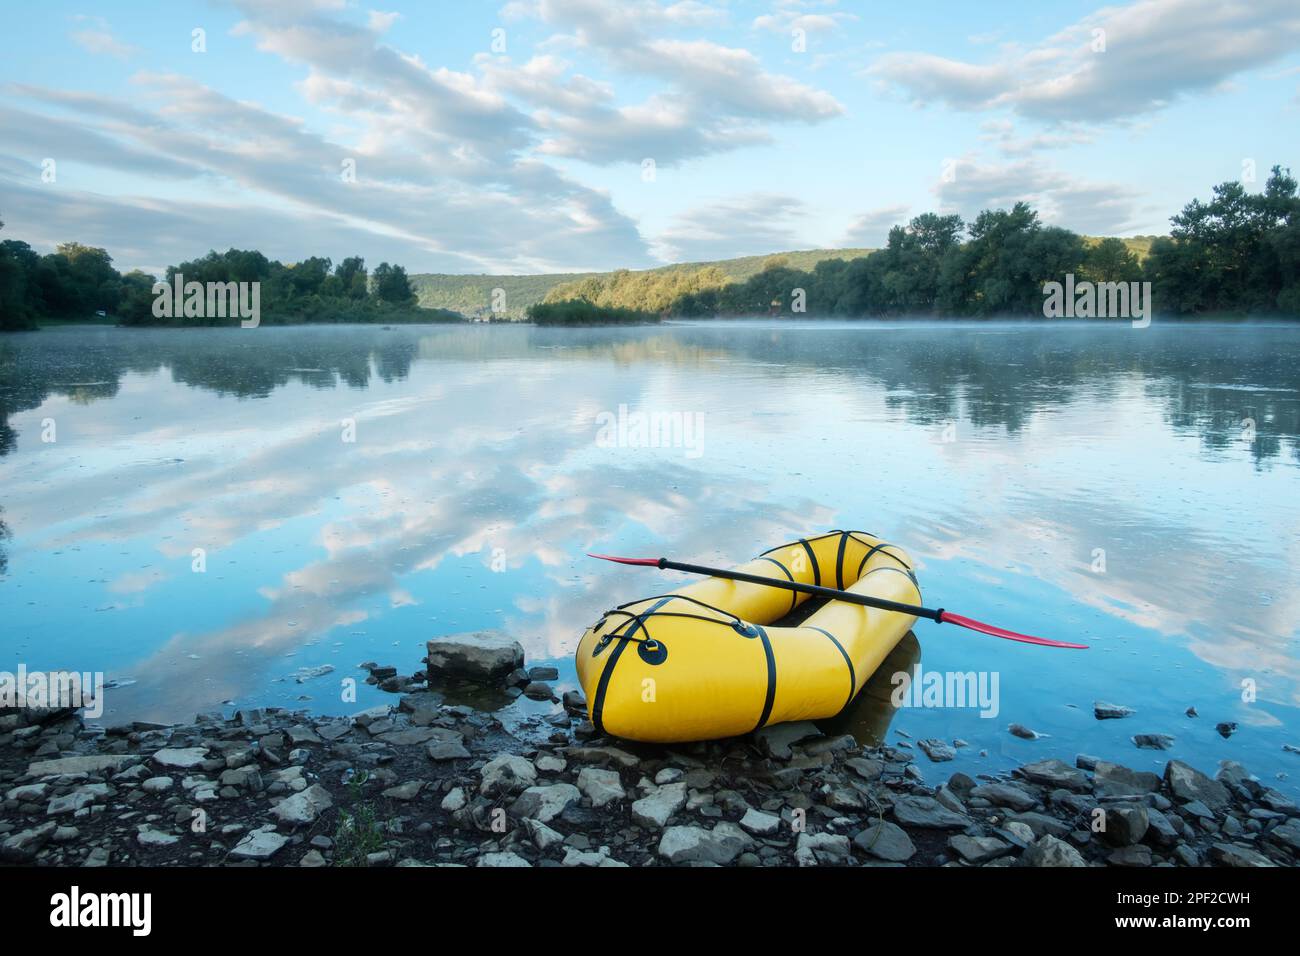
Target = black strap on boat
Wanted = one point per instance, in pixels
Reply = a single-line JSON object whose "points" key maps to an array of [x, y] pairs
{"points": [[906, 571], [598, 703], [693, 617], [839, 560], [680, 597], [771, 678], [848, 661], [794, 595], [791, 544], [881, 548], [817, 571]]}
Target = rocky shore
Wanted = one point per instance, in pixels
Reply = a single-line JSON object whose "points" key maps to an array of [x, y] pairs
{"points": [[424, 782]]}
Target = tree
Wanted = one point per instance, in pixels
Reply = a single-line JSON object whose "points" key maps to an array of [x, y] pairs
{"points": [[393, 286]]}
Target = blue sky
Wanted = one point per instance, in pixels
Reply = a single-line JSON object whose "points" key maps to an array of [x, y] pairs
{"points": [[771, 124]]}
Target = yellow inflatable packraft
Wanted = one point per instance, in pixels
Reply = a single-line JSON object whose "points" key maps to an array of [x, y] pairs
{"points": [[704, 661]]}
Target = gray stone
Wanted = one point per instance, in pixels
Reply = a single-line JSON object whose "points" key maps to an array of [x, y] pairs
{"points": [[438, 750], [600, 786], [94, 763], [1160, 830], [538, 690], [507, 773], [821, 849], [1130, 856], [1125, 825], [545, 803], [501, 859], [978, 849], [759, 823], [1153, 741], [777, 739], [483, 656], [602, 756], [1049, 851], [454, 800], [31, 793], [186, 758], [1116, 780], [542, 835], [21, 847], [656, 808], [1233, 854], [1005, 795], [81, 797], [1103, 710], [691, 844], [148, 836], [303, 808], [867, 769], [1186, 783], [937, 750], [405, 791], [1056, 773], [886, 841], [920, 811], [259, 845]]}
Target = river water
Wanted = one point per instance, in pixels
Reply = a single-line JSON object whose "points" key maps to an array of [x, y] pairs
{"points": [[200, 514]]}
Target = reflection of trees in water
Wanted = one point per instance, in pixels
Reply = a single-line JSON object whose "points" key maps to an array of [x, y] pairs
{"points": [[1208, 381]]}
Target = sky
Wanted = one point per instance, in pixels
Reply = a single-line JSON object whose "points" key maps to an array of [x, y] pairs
{"points": [[570, 135]]}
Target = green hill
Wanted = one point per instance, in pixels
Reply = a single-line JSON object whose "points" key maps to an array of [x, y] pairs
{"points": [[472, 294]]}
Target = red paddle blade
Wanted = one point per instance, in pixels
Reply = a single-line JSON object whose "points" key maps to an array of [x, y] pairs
{"points": [[651, 562], [969, 622]]}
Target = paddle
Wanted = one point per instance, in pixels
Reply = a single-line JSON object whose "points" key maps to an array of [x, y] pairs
{"points": [[939, 616]]}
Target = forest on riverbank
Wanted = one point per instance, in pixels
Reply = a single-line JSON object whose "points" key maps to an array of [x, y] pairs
{"points": [[78, 282], [1238, 253]]}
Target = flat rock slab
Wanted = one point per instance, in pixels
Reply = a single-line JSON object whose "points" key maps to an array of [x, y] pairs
{"points": [[691, 844], [1115, 780], [927, 812], [93, 763], [1104, 710], [1005, 795], [885, 841], [484, 656], [259, 845], [777, 739], [656, 808], [183, 758], [545, 803], [303, 808], [601, 787], [1056, 773], [602, 756], [978, 849]]}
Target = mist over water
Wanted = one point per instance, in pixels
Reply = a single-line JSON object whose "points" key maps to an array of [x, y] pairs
{"points": [[1132, 489]]}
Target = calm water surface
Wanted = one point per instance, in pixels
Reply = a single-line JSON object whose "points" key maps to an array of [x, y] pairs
{"points": [[1134, 489]]}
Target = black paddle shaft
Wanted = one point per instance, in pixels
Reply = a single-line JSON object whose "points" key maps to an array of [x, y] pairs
{"points": [[817, 589]]}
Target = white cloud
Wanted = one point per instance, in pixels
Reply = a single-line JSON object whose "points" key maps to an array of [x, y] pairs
{"points": [[97, 37], [748, 225], [1119, 62], [871, 229], [1061, 200]]}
